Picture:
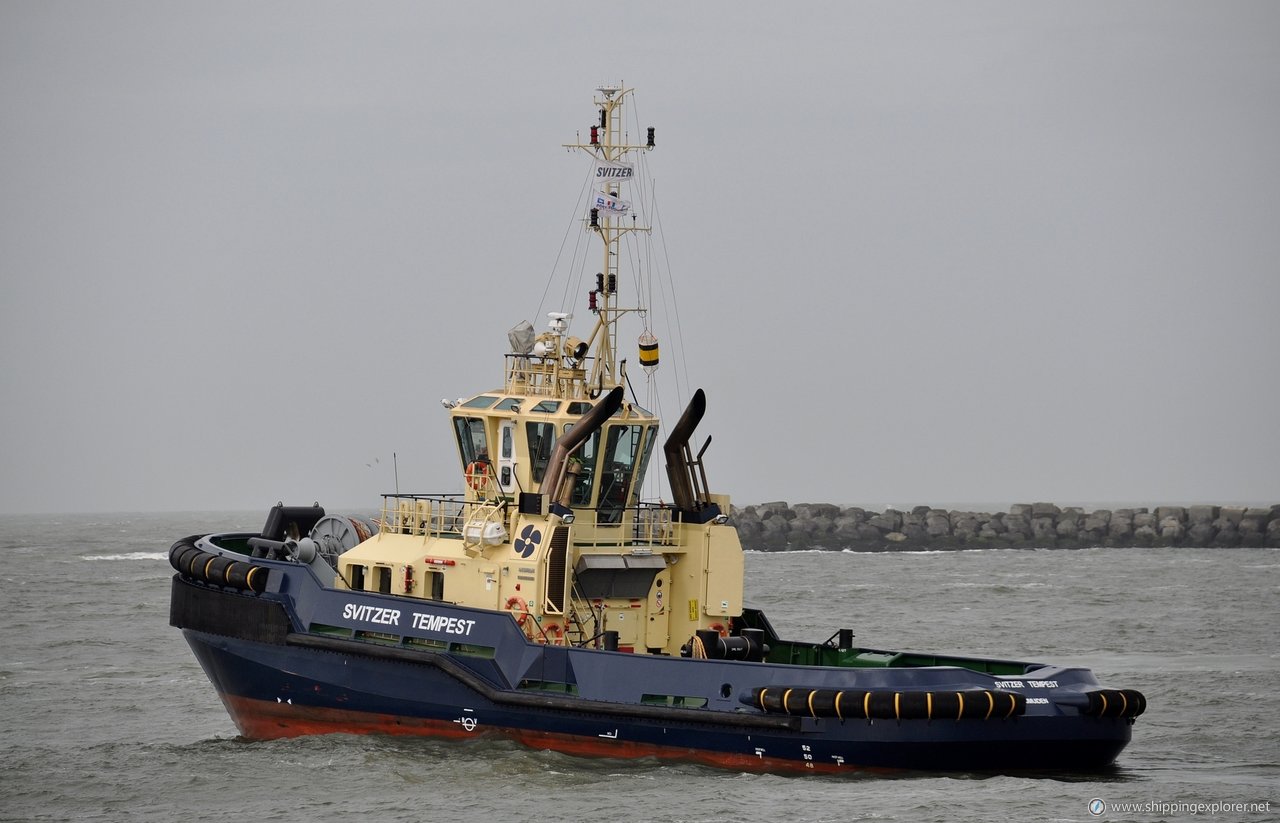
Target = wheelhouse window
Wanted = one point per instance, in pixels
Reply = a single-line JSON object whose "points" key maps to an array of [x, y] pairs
{"points": [[472, 441], [650, 437], [507, 446], [586, 458], [622, 446], [541, 437]]}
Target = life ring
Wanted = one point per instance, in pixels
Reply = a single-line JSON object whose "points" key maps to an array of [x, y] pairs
{"points": [[477, 474], [512, 605], [551, 633], [719, 627]]}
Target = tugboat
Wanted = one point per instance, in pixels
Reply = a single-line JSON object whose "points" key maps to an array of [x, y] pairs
{"points": [[548, 602]]}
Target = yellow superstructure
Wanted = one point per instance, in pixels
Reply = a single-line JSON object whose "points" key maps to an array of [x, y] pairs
{"points": [[551, 527]]}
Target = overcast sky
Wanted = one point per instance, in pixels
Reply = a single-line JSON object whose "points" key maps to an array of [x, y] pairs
{"points": [[925, 253]]}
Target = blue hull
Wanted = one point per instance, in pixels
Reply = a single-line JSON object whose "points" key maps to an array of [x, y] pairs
{"points": [[273, 692], [299, 658]]}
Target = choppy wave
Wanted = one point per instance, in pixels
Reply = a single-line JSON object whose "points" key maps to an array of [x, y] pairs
{"points": [[127, 556], [95, 683]]}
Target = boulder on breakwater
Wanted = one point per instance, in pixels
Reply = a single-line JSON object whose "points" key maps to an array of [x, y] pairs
{"points": [[782, 527]]}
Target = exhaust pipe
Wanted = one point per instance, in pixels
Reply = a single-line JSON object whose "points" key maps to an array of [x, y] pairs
{"points": [[679, 457], [567, 445]]}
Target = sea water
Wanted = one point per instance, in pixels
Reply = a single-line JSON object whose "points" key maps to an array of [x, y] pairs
{"points": [[108, 717]]}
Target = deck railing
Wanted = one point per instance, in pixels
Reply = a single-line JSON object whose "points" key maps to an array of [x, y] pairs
{"points": [[452, 515], [545, 377], [429, 515], [652, 524]]}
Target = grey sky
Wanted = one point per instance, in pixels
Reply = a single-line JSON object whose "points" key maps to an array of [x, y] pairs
{"points": [[986, 252]]}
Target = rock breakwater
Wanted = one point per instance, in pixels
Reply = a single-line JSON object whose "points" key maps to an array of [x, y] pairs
{"points": [[781, 527]]}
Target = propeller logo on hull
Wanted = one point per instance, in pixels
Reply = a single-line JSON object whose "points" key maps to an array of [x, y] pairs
{"points": [[528, 541]]}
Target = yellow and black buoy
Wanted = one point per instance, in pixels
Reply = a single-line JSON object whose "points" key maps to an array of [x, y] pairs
{"points": [[648, 352]]}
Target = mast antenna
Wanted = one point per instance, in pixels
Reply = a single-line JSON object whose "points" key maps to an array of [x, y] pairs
{"points": [[607, 217]]}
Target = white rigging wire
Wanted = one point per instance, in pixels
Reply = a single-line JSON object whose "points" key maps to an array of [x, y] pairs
{"points": [[651, 277], [574, 218], [655, 275], [675, 306]]}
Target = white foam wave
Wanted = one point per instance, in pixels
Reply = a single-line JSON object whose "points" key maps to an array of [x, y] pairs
{"points": [[127, 556]]}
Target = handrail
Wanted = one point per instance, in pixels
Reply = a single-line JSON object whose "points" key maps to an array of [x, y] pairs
{"points": [[546, 378], [423, 514], [574, 617], [652, 524], [479, 516], [436, 515]]}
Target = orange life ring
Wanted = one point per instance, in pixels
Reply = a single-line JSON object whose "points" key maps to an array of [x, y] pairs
{"points": [[719, 627], [512, 603], [551, 633], [477, 474]]}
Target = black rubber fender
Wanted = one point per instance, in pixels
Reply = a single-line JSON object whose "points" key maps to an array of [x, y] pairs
{"points": [[1115, 703], [181, 548], [241, 575], [198, 563], [182, 555], [981, 704], [220, 570], [216, 570]]}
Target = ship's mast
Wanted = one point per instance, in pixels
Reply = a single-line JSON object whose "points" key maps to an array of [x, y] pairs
{"points": [[611, 217]]}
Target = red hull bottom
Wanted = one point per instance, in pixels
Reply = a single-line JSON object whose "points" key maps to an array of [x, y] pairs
{"points": [[265, 720]]}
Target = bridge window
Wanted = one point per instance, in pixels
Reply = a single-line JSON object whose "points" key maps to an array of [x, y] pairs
{"points": [[621, 448], [586, 456], [472, 441], [649, 440], [542, 436]]}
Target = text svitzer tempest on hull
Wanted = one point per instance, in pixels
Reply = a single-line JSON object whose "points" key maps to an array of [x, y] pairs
{"points": [[549, 602]]}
